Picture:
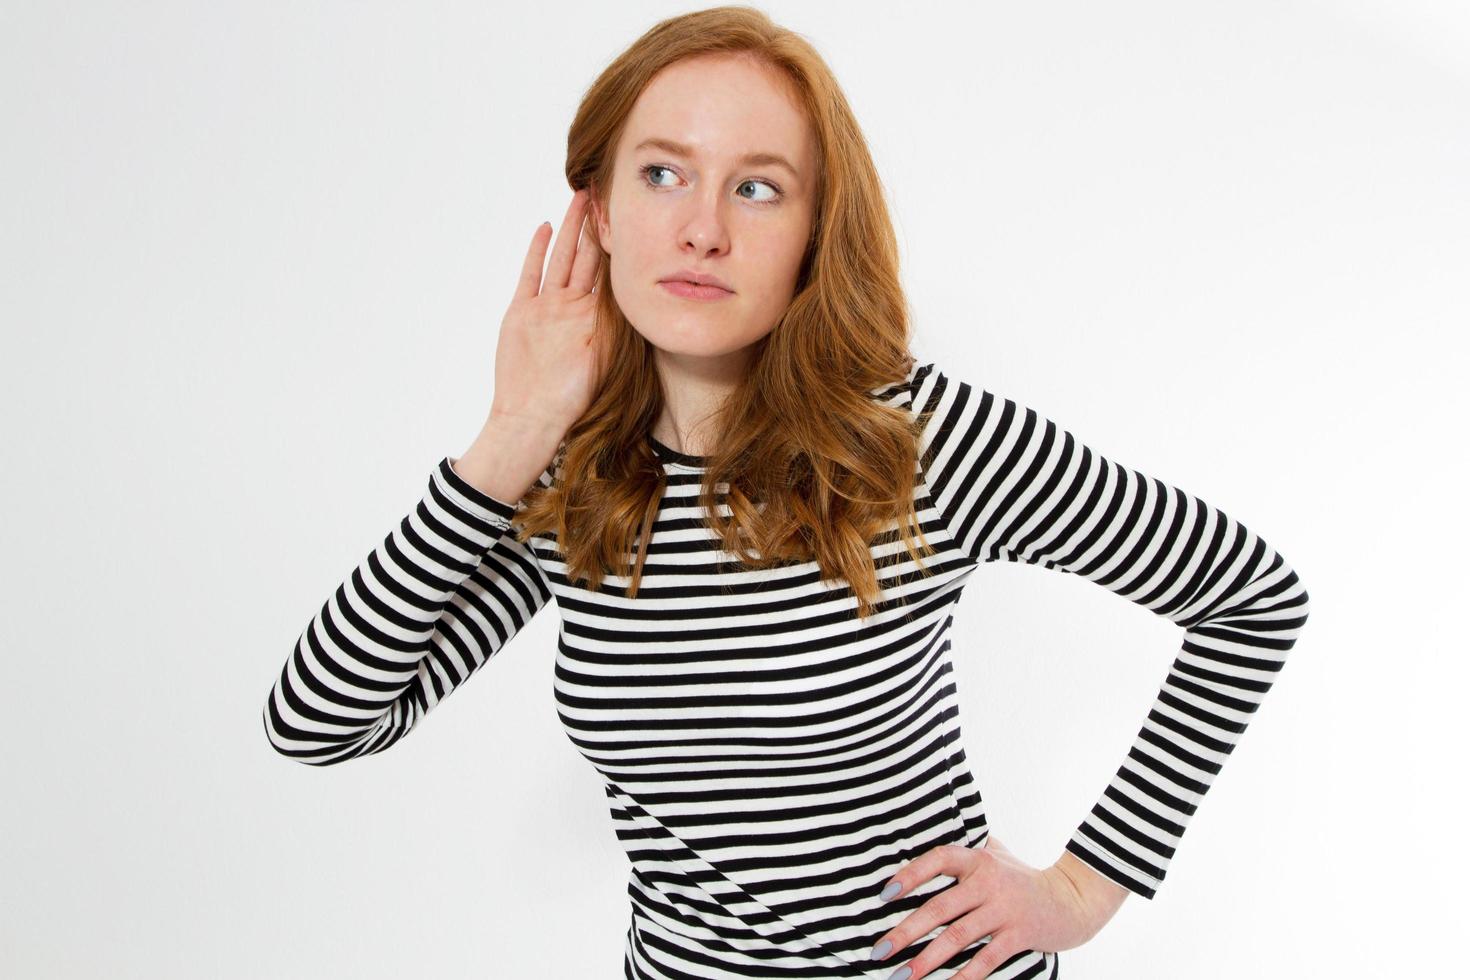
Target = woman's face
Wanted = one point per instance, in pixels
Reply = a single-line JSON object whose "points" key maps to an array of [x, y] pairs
{"points": [[697, 188]]}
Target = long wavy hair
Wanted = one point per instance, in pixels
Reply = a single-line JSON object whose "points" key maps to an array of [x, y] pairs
{"points": [[814, 466]]}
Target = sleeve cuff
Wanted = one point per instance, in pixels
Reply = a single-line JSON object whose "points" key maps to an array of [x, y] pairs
{"points": [[1109, 866], [473, 502]]}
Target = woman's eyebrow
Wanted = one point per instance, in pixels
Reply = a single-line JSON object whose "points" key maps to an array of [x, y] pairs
{"points": [[679, 149]]}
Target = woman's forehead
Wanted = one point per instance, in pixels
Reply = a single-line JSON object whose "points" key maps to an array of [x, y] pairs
{"points": [[685, 112]]}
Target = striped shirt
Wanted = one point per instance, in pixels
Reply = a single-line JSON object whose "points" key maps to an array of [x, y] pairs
{"points": [[770, 760]]}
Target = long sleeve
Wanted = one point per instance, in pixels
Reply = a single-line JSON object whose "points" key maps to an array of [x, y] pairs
{"points": [[444, 592], [1012, 486]]}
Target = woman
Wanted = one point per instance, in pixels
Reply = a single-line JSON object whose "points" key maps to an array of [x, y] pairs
{"points": [[721, 485]]}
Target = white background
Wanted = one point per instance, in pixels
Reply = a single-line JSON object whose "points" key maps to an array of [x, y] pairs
{"points": [[255, 260]]}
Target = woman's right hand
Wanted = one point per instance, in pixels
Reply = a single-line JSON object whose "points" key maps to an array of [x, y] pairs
{"points": [[547, 363]]}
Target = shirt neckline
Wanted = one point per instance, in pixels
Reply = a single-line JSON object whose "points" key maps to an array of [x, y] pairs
{"points": [[670, 455]]}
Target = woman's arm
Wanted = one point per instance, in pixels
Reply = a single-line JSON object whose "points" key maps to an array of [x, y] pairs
{"points": [[443, 593], [1012, 486]]}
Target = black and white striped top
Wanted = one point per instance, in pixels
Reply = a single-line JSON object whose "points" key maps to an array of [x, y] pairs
{"points": [[769, 760]]}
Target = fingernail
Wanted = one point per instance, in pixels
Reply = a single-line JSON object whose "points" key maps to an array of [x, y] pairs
{"points": [[902, 973], [881, 950], [890, 890]]}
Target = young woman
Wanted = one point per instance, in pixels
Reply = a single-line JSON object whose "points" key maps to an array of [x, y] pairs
{"points": [[756, 512]]}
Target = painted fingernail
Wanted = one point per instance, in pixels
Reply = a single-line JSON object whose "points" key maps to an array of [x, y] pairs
{"points": [[890, 890], [902, 973], [881, 950]]}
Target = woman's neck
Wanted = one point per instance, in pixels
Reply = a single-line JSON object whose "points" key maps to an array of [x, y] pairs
{"points": [[694, 390]]}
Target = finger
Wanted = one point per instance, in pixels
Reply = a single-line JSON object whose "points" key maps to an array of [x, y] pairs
{"points": [[963, 933], [529, 283], [959, 907], [949, 859], [995, 954], [584, 269], [566, 243]]}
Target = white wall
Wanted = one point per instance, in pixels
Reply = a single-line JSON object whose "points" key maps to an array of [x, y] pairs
{"points": [[255, 259]]}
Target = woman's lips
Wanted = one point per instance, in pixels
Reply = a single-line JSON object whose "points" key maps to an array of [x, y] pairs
{"points": [[689, 290]]}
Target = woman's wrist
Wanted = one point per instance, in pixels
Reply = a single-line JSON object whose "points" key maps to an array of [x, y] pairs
{"points": [[1098, 896]]}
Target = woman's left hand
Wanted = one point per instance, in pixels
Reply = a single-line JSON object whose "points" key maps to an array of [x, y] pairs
{"points": [[997, 895]]}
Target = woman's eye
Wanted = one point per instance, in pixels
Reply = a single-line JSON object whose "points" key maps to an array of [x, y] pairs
{"points": [[653, 167], [761, 183]]}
